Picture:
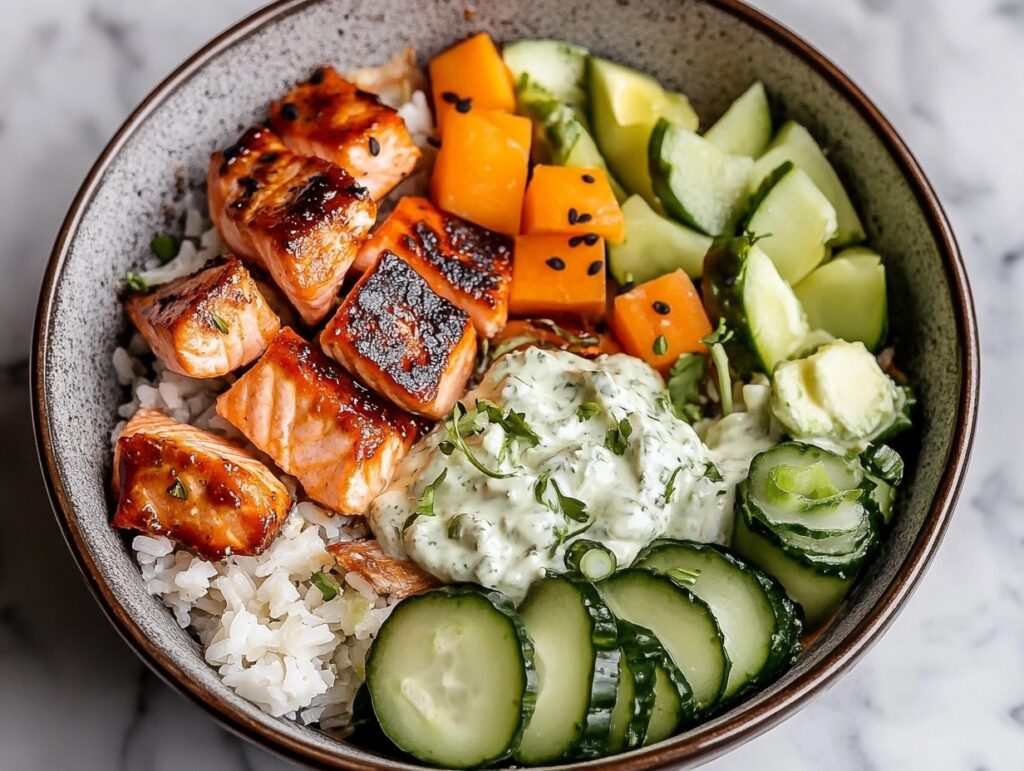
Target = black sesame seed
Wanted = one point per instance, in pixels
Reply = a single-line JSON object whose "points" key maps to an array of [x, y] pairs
{"points": [[289, 111], [464, 105], [662, 309], [576, 241], [588, 179], [584, 218], [450, 96], [594, 268], [434, 142], [573, 216], [629, 286], [374, 146], [590, 239], [318, 76], [268, 157], [555, 263]]}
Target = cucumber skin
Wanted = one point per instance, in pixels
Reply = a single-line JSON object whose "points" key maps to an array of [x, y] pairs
{"points": [[654, 652], [724, 268], [642, 668], [506, 607]]}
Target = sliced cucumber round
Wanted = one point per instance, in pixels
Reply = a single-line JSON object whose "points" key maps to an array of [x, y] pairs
{"points": [[556, 66], [794, 219], [742, 286], [624, 106], [451, 677], [846, 297], [654, 246], [746, 127], [737, 598], [576, 652], [683, 623], [642, 656], [697, 183], [794, 143]]}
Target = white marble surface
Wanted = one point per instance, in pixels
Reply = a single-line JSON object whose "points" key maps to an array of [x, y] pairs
{"points": [[943, 690]]}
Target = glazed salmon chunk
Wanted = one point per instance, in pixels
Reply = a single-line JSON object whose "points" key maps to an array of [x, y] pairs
{"points": [[403, 339], [301, 219], [329, 117], [387, 575], [173, 479], [339, 439], [467, 265], [206, 324]]}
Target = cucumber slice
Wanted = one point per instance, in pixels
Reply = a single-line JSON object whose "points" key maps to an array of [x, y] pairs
{"points": [[881, 498], [590, 559], [624, 106], [746, 127], [795, 219], [742, 286], [451, 677], [846, 297], [738, 600], [818, 593], [654, 690], [669, 710], [655, 246], [576, 651], [794, 143], [634, 704], [557, 67], [682, 622], [697, 183]]}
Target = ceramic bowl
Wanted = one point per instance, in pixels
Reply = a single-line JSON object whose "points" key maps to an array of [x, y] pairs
{"points": [[710, 50]]}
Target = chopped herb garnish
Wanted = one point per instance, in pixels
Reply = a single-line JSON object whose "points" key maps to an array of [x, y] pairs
{"points": [[716, 340], [540, 488], [425, 505], [617, 436], [178, 490], [670, 488], [683, 576], [711, 472], [572, 508], [328, 587], [135, 282], [455, 527], [165, 247], [221, 325], [684, 381], [468, 421], [660, 345], [446, 447], [562, 535], [587, 410]]}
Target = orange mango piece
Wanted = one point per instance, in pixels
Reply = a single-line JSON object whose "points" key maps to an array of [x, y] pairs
{"points": [[558, 274], [470, 75], [561, 199], [481, 168], [661, 319]]}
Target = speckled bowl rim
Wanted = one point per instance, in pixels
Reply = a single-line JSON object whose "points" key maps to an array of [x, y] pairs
{"points": [[700, 744]]}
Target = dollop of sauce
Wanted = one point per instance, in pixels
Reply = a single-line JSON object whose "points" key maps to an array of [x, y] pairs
{"points": [[654, 478]]}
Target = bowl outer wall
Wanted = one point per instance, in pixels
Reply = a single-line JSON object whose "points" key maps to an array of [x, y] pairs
{"points": [[711, 49]]}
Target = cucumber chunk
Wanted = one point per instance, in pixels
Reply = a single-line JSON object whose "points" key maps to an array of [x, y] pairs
{"points": [[697, 183], [794, 143], [654, 246], [846, 297], [576, 652], [736, 597], [451, 677], [683, 623], [819, 594], [624, 106], [746, 127], [557, 67], [795, 219], [742, 286]]}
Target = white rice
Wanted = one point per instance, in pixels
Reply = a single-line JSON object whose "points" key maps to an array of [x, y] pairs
{"points": [[262, 622]]}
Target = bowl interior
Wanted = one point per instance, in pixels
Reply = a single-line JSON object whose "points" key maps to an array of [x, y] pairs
{"points": [[707, 50]]}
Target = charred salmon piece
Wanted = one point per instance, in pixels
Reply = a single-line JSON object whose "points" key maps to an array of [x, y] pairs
{"points": [[398, 578], [330, 118], [173, 479], [206, 324], [402, 339], [300, 219], [339, 439], [467, 265]]}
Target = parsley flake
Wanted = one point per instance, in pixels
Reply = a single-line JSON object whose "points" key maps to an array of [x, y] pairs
{"points": [[328, 587], [660, 345], [178, 490], [616, 439], [587, 410], [135, 283], [218, 322]]}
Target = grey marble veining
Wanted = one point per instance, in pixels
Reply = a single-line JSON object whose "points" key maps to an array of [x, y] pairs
{"points": [[944, 689]]}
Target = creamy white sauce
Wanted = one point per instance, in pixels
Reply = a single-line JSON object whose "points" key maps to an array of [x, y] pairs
{"points": [[505, 538]]}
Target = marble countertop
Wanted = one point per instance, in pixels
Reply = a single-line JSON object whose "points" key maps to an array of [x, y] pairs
{"points": [[944, 689]]}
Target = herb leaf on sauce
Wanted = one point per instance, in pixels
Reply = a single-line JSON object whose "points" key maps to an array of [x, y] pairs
{"points": [[617, 437], [587, 410], [572, 508], [715, 341], [562, 535], [670, 487], [425, 505], [684, 381], [540, 488], [135, 283], [711, 472], [455, 527], [461, 420], [328, 587]]}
